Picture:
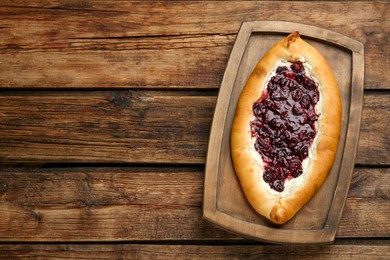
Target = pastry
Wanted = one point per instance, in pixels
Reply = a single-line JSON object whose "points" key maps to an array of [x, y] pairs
{"points": [[286, 129]]}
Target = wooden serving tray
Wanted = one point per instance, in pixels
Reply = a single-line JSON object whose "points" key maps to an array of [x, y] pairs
{"points": [[224, 202]]}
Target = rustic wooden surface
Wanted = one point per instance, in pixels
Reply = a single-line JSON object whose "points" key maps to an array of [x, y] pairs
{"points": [[105, 112]]}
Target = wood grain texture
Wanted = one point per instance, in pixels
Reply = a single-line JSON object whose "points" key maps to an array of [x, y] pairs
{"points": [[370, 141], [340, 250], [152, 46], [163, 44], [140, 204], [115, 126], [137, 127]]}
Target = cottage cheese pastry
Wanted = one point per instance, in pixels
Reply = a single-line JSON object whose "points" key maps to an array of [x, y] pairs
{"points": [[286, 129]]}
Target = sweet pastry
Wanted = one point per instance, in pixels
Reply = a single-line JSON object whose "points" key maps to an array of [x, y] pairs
{"points": [[286, 129]]}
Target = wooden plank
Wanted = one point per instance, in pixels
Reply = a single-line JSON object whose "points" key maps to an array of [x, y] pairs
{"points": [[104, 127], [340, 250], [183, 67], [137, 127], [160, 44], [139, 204], [375, 115], [369, 183]]}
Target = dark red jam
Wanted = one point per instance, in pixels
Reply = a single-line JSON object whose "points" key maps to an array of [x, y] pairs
{"points": [[284, 124]]}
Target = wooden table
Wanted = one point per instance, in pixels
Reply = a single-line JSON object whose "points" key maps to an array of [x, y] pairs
{"points": [[105, 114]]}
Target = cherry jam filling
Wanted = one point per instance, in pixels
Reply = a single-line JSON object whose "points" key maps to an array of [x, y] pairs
{"points": [[284, 123]]}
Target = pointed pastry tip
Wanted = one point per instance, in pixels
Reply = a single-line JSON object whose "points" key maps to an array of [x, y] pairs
{"points": [[292, 38]]}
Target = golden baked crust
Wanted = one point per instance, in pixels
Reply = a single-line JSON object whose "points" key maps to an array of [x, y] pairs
{"points": [[280, 207]]}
